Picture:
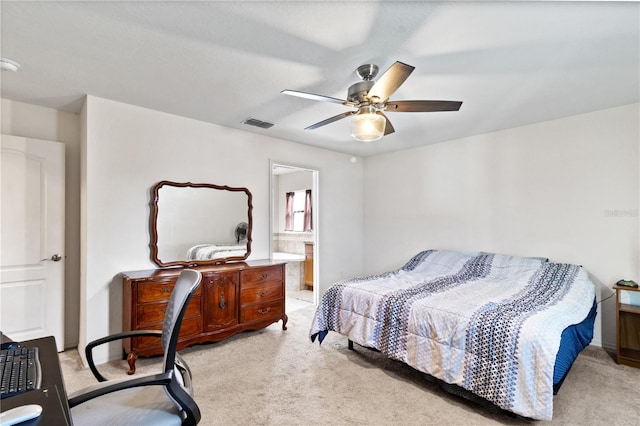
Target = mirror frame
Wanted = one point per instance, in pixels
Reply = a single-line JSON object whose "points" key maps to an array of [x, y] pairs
{"points": [[153, 222]]}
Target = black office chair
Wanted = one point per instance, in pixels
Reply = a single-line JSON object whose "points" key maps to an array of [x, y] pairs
{"points": [[154, 399]]}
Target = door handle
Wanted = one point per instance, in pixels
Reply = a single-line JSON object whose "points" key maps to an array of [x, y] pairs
{"points": [[55, 258]]}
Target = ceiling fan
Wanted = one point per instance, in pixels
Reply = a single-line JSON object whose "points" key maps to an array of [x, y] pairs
{"points": [[371, 99]]}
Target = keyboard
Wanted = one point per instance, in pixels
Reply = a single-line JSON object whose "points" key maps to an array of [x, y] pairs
{"points": [[20, 371]]}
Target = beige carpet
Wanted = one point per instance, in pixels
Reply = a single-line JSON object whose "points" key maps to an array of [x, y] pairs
{"points": [[275, 377]]}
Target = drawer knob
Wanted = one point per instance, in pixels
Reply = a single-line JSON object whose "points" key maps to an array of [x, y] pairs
{"points": [[263, 276], [263, 293], [166, 289], [264, 311]]}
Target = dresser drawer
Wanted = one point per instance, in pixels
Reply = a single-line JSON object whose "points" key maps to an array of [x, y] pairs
{"points": [[153, 313], [257, 276], [268, 291], [260, 311], [190, 327], [157, 291]]}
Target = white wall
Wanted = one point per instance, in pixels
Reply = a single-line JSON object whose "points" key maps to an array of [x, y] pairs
{"points": [[565, 189], [128, 149], [30, 121]]}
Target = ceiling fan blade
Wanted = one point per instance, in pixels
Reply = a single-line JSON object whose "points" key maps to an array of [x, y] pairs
{"points": [[331, 120], [390, 81], [423, 106], [315, 97], [388, 127]]}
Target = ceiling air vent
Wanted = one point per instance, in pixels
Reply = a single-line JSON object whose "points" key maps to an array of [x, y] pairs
{"points": [[258, 123]]}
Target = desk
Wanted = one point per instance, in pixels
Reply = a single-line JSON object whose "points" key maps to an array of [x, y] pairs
{"points": [[52, 395]]}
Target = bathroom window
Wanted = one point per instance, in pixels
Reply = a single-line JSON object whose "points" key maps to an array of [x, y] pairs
{"points": [[298, 216]]}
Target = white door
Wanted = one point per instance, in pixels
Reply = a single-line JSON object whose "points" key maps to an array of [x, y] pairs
{"points": [[32, 239]]}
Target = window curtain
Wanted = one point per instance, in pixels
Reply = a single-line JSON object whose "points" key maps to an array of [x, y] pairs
{"points": [[307, 211], [288, 216]]}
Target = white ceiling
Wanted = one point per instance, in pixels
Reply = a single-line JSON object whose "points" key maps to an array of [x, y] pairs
{"points": [[511, 63]]}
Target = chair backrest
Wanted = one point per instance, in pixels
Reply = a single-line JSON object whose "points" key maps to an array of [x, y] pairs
{"points": [[179, 388], [187, 283]]}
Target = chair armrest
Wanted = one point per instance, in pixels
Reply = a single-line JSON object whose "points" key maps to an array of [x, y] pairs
{"points": [[108, 387], [186, 403], [88, 350]]}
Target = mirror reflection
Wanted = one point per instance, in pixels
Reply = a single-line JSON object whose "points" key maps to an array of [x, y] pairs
{"points": [[199, 224]]}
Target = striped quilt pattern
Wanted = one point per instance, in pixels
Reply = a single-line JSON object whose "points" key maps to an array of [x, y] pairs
{"points": [[487, 322]]}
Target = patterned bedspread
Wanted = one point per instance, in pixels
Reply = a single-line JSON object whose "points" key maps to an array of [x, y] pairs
{"points": [[486, 322]]}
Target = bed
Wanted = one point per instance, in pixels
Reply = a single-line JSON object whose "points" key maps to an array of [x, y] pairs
{"points": [[214, 251], [504, 328]]}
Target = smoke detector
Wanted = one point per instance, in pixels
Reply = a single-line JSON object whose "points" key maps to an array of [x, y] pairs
{"points": [[9, 65]]}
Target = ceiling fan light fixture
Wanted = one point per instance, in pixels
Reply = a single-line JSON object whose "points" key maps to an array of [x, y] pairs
{"points": [[369, 123], [366, 125]]}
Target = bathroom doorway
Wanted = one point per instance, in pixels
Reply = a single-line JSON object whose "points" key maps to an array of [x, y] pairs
{"points": [[294, 231]]}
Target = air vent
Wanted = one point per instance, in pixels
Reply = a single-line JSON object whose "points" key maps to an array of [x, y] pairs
{"points": [[257, 123]]}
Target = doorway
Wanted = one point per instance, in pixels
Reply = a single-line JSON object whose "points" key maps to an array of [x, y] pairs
{"points": [[294, 231], [32, 243]]}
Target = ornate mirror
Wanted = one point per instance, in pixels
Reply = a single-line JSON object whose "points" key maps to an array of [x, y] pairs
{"points": [[195, 224]]}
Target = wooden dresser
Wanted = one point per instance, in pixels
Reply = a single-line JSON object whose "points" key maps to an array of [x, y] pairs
{"points": [[231, 298]]}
